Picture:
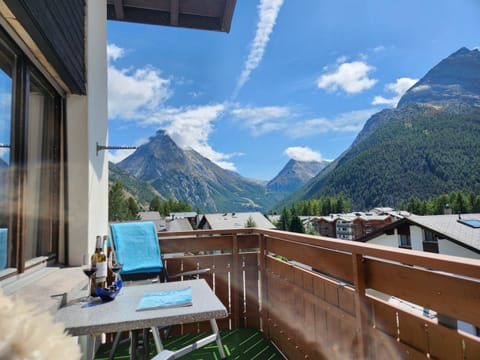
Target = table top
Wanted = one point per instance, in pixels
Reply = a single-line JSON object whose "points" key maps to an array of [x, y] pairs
{"points": [[82, 318]]}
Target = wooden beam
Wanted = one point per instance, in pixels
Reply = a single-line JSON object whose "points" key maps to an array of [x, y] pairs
{"points": [[228, 14], [174, 9], [118, 4]]}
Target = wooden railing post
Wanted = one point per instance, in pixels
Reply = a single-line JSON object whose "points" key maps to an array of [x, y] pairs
{"points": [[362, 310], [263, 284], [236, 284]]}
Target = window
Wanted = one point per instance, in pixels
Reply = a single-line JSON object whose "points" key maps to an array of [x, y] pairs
{"points": [[430, 241], [405, 241], [5, 119], [30, 138], [429, 236], [404, 236]]}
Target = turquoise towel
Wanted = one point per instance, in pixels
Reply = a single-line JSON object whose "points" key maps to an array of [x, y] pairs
{"points": [[136, 247], [166, 299], [3, 248]]}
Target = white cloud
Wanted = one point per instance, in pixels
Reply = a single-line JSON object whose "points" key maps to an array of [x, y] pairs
{"points": [[303, 153], [351, 77], [114, 52], [261, 120], [379, 48], [116, 156], [352, 121], [268, 12], [134, 93], [399, 88]]}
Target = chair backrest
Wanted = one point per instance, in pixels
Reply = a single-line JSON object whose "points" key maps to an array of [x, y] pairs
{"points": [[136, 246], [3, 248]]}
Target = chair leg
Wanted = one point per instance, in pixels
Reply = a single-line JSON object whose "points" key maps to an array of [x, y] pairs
{"points": [[145, 344], [133, 343], [215, 330]]}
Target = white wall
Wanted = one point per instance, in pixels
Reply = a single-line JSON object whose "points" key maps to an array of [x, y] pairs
{"points": [[386, 240], [87, 125], [416, 236], [450, 248]]}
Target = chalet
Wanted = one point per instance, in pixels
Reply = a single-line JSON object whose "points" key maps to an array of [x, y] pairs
{"points": [[457, 235], [350, 226]]}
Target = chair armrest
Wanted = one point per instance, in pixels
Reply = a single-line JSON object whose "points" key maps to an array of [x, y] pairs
{"points": [[189, 274]]}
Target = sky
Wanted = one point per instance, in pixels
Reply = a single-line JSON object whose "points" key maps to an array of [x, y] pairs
{"points": [[291, 80]]}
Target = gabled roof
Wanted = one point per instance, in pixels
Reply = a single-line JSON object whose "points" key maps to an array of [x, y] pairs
{"points": [[179, 225], [445, 226], [196, 14], [235, 220]]}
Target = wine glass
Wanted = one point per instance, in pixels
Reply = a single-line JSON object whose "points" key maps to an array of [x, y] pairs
{"points": [[89, 271], [114, 265]]}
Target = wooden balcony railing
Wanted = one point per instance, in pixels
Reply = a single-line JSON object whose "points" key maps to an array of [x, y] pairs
{"points": [[335, 299]]}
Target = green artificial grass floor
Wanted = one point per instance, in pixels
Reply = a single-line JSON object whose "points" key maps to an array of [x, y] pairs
{"points": [[239, 344]]}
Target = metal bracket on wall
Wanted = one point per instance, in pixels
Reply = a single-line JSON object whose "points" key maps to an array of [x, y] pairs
{"points": [[105, 147]]}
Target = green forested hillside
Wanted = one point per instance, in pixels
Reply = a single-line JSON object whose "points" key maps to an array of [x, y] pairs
{"points": [[420, 154]]}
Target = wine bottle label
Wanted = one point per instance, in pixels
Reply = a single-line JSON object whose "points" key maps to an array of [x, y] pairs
{"points": [[101, 274]]}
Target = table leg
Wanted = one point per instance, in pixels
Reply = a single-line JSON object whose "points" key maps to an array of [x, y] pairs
{"points": [[157, 339], [215, 330], [133, 344], [87, 346]]}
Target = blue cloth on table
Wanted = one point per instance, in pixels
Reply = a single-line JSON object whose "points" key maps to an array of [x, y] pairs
{"points": [[3, 248], [166, 299], [136, 247]]}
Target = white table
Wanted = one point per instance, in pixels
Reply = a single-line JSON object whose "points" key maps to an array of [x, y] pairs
{"points": [[120, 314]]}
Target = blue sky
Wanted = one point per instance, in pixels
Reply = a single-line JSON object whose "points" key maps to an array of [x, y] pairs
{"points": [[292, 79]]}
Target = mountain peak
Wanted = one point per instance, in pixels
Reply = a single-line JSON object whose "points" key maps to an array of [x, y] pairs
{"points": [[294, 174], [456, 77]]}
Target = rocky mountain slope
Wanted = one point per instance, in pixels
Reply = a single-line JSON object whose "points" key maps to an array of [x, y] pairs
{"points": [[185, 175], [294, 174]]}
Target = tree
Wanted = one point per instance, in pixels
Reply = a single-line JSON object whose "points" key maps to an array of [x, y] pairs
{"points": [[117, 209], [155, 203], [284, 221], [132, 209], [250, 223], [296, 225]]}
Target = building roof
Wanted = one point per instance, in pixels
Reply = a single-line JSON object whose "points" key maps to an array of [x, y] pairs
{"points": [[180, 215], [196, 14], [149, 215], [445, 226], [236, 220], [179, 225]]}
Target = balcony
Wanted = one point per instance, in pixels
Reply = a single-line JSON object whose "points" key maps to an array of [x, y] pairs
{"points": [[318, 298]]}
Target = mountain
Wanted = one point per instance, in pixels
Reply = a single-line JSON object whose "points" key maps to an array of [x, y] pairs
{"points": [[294, 174], [426, 146], [185, 175], [455, 78], [140, 190]]}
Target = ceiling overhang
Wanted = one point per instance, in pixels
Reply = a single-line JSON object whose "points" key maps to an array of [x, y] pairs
{"points": [[213, 15]]}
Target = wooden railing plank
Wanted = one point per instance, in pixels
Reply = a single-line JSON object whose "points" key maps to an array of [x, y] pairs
{"points": [[336, 264], [456, 297]]}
